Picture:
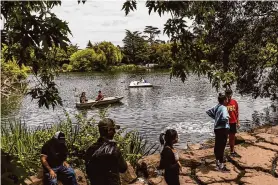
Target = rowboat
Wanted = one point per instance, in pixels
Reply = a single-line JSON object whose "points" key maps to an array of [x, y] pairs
{"points": [[107, 100], [139, 84]]}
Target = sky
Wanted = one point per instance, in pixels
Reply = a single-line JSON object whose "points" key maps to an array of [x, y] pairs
{"points": [[105, 21]]}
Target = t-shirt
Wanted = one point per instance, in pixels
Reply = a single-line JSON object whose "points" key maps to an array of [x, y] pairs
{"points": [[232, 107], [56, 153], [99, 97]]}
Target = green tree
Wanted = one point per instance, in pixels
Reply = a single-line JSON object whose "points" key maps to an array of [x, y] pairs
{"points": [[152, 32], [83, 60], [30, 31], [161, 54], [225, 42], [136, 49], [89, 45], [112, 53]]}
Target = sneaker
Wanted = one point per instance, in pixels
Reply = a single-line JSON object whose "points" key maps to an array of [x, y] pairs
{"points": [[234, 154], [217, 165], [224, 169]]}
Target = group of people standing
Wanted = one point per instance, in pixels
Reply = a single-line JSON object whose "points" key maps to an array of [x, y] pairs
{"points": [[226, 122], [104, 160]]}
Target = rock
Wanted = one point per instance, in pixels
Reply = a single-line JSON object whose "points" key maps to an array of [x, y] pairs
{"points": [[139, 182], [34, 180], [196, 146], [129, 176], [244, 137], [208, 174], [148, 165], [258, 178], [254, 157], [157, 180], [208, 144], [268, 129], [276, 170], [184, 180], [185, 171], [195, 158], [267, 146], [268, 138], [273, 130], [80, 177], [224, 183]]}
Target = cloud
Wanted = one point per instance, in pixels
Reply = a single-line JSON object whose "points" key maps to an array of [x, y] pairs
{"points": [[104, 20]]}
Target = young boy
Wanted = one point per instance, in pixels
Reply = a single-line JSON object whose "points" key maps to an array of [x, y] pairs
{"points": [[221, 129], [232, 107]]}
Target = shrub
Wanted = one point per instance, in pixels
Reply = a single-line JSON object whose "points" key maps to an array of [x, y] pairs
{"points": [[25, 143], [127, 68]]}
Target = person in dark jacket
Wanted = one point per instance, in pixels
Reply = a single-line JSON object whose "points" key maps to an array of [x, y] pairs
{"points": [[169, 157], [53, 158], [103, 159]]}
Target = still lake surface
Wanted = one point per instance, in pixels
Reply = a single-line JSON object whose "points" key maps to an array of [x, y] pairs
{"points": [[169, 104]]}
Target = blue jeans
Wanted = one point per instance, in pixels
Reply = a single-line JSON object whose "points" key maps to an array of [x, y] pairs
{"points": [[64, 174]]}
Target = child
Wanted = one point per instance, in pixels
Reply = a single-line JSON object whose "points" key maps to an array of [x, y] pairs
{"points": [[221, 129], [169, 157]]}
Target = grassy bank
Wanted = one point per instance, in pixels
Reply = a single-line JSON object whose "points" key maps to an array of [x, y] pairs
{"points": [[127, 68], [24, 144]]}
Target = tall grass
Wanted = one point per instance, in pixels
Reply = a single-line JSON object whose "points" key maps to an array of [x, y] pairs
{"points": [[24, 143]]}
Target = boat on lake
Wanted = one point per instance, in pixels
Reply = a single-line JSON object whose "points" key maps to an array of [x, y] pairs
{"points": [[139, 84], [105, 101]]}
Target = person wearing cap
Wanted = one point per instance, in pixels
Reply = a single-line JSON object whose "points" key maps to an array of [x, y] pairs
{"points": [[103, 159], [100, 96], [53, 158]]}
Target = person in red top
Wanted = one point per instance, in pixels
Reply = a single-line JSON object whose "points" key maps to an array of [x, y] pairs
{"points": [[100, 96], [232, 107]]}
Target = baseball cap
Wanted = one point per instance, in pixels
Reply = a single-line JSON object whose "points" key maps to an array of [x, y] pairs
{"points": [[60, 136], [108, 123]]}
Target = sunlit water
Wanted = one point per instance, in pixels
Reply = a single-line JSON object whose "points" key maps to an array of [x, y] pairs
{"points": [[169, 104]]}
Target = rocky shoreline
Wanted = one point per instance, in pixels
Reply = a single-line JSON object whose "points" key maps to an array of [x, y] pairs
{"points": [[257, 164]]}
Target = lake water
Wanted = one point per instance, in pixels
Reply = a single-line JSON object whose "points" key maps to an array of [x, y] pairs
{"points": [[169, 104]]}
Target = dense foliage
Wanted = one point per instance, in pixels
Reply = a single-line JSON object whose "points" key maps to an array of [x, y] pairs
{"points": [[30, 31], [230, 41], [95, 58], [24, 143]]}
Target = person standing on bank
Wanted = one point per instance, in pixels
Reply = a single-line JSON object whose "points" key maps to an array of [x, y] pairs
{"points": [[53, 158], [232, 107], [103, 159], [169, 158], [221, 129]]}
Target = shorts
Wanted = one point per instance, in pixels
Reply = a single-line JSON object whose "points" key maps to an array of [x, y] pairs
{"points": [[233, 128]]}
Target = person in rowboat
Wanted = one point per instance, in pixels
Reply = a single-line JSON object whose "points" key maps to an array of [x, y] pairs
{"points": [[100, 96], [83, 98]]}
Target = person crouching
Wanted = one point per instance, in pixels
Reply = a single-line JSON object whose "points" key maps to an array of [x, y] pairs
{"points": [[53, 158]]}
